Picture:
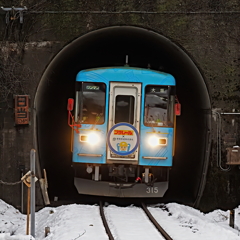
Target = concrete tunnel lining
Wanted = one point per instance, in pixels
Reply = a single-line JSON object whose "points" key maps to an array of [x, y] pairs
{"points": [[108, 47]]}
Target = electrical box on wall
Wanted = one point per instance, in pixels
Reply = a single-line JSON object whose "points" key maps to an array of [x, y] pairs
{"points": [[233, 155]]}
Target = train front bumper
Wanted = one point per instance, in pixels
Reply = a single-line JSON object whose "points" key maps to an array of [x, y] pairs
{"points": [[123, 190]]}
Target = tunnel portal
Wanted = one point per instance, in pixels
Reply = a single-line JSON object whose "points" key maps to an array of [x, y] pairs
{"points": [[109, 47]]}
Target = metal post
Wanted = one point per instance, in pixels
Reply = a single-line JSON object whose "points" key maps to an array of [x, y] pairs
{"points": [[22, 195], [28, 210], [32, 168], [47, 231], [22, 184], [231, 218]]}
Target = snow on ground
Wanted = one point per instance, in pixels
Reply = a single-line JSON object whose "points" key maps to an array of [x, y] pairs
{"points": [[183, 222], [83, 222], [130, 223]]}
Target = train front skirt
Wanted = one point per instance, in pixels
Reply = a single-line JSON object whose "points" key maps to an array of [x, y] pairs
{"points": [[125, 190]]}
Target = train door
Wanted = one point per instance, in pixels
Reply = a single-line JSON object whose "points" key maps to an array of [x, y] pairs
{"points": [[124, 107]]}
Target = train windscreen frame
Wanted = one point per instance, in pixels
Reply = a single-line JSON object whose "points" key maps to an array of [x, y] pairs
{"points": [[92, 102], [158, 106]]}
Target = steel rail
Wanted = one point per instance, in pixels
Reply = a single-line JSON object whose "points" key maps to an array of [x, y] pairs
{"points": [[105, 221], [156, 224]]}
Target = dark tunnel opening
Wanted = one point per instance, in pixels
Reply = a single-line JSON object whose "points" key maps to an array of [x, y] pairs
{"points": [[109, 47]]}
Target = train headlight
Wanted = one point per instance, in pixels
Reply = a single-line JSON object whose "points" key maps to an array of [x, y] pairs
{"points": [[157, 141], [92, 138], [153, 141]]}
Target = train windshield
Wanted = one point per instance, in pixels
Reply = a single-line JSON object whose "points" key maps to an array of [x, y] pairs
{"points": [[92, 103], [159, 106]]}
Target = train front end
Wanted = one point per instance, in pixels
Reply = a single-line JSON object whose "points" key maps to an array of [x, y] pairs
{"points": [[123, 131]]}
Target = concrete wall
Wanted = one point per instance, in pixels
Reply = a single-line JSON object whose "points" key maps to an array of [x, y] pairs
{"points": [[207, 30]]}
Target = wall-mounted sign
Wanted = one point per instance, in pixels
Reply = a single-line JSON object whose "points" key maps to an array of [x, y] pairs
{"points": [[123, 139], [22, 109]]}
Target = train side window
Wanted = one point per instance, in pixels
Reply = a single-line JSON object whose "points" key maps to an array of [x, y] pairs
{"points": [[92, 103], [124, 109]]}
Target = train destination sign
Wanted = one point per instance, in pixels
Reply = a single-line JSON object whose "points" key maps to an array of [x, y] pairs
{"points": [[94, 87], [123, 139], [153, 89]]}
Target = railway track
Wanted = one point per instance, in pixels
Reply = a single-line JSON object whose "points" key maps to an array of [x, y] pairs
{"points": [[155, 223], [108, 231], [115, 232]]}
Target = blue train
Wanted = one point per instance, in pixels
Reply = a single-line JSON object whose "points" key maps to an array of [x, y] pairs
{"points": [[123, 131]]}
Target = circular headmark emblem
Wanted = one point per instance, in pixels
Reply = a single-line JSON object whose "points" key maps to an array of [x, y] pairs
{"points": [[123, 139]]}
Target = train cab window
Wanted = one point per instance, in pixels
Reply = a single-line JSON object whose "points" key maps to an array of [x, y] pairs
{"points": [[158, 105], [92, 103], [124, 109]]}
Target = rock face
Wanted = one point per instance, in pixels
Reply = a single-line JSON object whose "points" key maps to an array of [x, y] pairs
{"points": [[206, 31]]}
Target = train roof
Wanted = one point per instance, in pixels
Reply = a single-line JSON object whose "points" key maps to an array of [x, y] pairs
{"points": [[126, 74]]}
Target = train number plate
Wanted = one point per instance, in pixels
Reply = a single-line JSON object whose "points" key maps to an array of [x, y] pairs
{"points": [[151, 190]]}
